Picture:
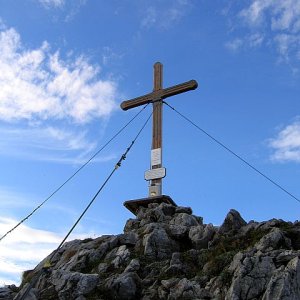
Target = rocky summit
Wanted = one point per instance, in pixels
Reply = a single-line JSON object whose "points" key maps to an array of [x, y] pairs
{"points": [[168, 253]]}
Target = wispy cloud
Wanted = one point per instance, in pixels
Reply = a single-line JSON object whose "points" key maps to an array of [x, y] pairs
{"points": [[274, 23], [24, 248], [74, 9], [36, 84], [52, 3], [14, 204], [234, 44], [50, 144], [48, 138], [46, 102], [286, 145], [250, 41], [109, 56], [283, 15], [10, 199], [164, 14], [63, 10]]}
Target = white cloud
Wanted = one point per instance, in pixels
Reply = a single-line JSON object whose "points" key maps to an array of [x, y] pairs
{"points": [[52, 3], [286, 43], [74, 9], [286, 145], [10, 199], [255, 12], [63, 10], [255, 40], [273, 23], [38, 84], [150, 17], [252, 41], [38, 89], [48, 143], [49, 138], [109, 56], [17, 204], [14, 204], [234, 45], [25, 247], [164, 14]]}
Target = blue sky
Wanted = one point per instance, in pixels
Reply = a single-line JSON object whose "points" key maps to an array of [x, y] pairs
{"points": [[65, 66]]}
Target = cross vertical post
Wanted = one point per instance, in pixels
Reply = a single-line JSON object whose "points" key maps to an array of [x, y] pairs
{"points": [[155, 188]]}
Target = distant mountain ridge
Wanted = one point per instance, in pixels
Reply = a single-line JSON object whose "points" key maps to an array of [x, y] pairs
{"points": [[168, 253]]}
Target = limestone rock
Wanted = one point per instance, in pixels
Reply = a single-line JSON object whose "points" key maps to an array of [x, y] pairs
{"points": [[124, 286], [133, 266], [8, 292], [158, 244], [181, 209], [251, 276], [184, 219], [178, 232], [285, 282], [185, 289], [233, 221], [168, 253], [70, 285], [131, 225], [201, 235], [273, 240]]}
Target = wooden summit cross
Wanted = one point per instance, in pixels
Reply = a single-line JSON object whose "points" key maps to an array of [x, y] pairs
{"points": [[157, 172]]}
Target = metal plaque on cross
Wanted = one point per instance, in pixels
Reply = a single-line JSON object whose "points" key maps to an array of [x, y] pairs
{"points": [[157, 172]]}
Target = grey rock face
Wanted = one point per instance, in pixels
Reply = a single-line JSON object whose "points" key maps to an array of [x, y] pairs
{"points": [[158, 244], [129, 238], [8, 292], [273, 240], [285, 282], [200, 235], [184, 219], [251, 276], [70, 285], [131, 224], [178, 232], [133, 266], [32, 295], [186, 210], [124, 286], [233, 221], [185, 289], [168, 253]]}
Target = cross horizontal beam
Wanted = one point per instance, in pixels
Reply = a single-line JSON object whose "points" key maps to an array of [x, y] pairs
{"points": [[160, 94]]}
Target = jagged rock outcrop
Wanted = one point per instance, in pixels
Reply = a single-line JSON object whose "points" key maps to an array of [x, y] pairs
{"points": [[168, 253]]}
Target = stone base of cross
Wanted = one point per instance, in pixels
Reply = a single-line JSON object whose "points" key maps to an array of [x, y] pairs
{"points": [[157, 172], [135, 205]]}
